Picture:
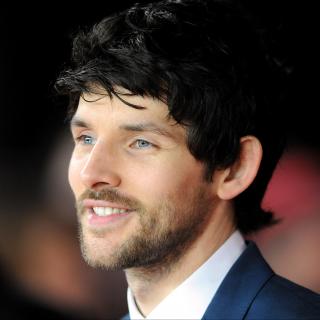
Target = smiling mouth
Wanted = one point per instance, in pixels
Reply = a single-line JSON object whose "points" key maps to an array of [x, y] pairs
{"points": [[108, 211]]}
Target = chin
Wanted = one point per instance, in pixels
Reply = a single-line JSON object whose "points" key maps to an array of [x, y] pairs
{"points": [[96, 257], [95, 250]]}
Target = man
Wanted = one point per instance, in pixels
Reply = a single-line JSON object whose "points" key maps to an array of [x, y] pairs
{"points": [[174, 146]]}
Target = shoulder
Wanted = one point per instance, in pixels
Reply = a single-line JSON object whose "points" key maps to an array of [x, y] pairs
{"points": [[125, 317], [280, 298], [255, 292]]}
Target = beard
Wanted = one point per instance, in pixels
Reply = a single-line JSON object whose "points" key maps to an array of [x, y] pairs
{"points": [[164, 232]]}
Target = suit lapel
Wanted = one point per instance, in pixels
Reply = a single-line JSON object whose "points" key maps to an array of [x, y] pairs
{"points": [[241, 285]]}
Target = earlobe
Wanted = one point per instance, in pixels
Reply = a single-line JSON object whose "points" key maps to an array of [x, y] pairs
{"points": [[238, 177]]}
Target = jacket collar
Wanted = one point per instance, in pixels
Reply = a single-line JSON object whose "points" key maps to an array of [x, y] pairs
{"points": [[241, 285]]}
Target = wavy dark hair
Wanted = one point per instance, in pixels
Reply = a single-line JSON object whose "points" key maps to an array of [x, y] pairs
{"points": [[207, 62]]}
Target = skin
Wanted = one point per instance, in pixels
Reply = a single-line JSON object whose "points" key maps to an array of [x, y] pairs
{"points": [[138, 159]]}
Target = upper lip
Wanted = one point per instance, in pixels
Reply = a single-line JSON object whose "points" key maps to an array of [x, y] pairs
{"points": [[90, 203]]}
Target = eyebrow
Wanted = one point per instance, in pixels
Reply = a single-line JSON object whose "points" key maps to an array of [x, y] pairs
{"points": [[147, 127], [77, 122], [138, 127]]}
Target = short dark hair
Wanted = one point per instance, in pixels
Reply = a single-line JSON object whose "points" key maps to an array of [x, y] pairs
{"points": [[204, 59]]}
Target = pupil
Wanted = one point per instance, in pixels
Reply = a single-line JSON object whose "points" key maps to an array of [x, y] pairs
{"points": [[143, 143]]}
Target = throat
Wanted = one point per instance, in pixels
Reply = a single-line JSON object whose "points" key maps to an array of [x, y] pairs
{"points": [[150, 285]]}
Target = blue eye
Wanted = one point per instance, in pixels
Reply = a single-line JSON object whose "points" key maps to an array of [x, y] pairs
{"points": [[87, 140], [143, 144]]}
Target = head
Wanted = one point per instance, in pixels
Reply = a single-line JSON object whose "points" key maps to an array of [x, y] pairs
{"points": [[202, 69]]}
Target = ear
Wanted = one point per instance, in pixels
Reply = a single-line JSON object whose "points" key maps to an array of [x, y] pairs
{"points": [[241, 174]]}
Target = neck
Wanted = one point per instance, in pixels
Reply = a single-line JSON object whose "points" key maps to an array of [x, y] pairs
{"points": [[150, 285]]}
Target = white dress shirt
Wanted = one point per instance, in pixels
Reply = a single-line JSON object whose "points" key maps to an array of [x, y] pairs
{"points": [[193, 296]]}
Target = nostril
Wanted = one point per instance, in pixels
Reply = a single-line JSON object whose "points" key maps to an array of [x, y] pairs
{"points": [[96, 177]]}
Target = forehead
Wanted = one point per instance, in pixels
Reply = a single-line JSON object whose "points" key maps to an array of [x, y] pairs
{"points": [[123, 106]]}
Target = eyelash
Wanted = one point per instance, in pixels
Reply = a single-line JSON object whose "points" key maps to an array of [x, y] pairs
{"points": [[144, 141], [82, 138]]}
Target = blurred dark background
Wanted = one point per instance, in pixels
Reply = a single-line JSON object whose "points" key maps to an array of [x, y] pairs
{"points": [[41, 269]]}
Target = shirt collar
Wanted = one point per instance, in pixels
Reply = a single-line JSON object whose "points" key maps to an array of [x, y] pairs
{"points": [[192, 297]]}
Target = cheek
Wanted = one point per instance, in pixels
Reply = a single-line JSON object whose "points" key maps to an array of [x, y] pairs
{"points": [[74, 175], [162, 180]]}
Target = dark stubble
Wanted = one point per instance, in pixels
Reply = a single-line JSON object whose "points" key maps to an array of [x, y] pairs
{"points": [[165, 231]]}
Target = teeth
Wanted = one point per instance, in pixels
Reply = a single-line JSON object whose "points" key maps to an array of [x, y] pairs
{"points": [[107, 211]]}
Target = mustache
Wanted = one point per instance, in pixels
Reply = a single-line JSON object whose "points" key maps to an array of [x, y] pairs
{"points": [[110, 195]]}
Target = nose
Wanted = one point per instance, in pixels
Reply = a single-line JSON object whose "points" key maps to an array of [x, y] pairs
{"points": [[99, 169]]}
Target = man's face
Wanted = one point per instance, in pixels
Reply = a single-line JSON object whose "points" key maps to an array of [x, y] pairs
{"points": [[141, 196]]}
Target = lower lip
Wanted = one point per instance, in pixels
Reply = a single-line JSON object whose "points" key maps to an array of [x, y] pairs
{"points": [[95, 220]]}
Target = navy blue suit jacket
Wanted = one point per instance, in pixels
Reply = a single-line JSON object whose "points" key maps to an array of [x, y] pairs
{"points": [[251, 290]]}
